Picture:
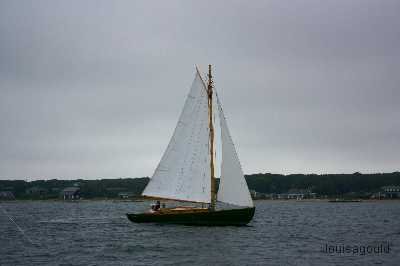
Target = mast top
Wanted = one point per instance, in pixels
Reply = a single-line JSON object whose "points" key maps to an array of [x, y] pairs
{"points": [[210, 82]]}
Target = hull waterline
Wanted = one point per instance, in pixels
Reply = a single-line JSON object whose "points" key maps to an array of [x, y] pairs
{"points": [[197, 217]]}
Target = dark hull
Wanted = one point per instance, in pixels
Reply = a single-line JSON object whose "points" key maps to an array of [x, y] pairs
{"points": [[208, 218]]}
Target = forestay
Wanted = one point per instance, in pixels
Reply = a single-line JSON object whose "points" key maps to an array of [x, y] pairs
{"points": [[184, 170], [232, 187]]}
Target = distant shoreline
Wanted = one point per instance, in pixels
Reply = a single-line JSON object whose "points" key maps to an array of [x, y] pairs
{"points": [[327, 200], [330, 187]]}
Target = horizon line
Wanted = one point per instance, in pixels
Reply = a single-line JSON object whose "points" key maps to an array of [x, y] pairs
{"points": [[29, 179]]}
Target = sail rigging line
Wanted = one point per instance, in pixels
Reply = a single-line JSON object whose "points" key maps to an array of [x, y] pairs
{"points": [[18, 227]]}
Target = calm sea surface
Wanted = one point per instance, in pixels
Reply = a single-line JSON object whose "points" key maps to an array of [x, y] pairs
{"points": [[281, 233]]}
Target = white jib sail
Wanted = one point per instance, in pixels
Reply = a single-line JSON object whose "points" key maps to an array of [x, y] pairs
{"points": [[184, 170], [232, 187]]}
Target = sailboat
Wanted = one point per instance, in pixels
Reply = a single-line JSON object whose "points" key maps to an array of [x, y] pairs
{"points": [[186, 171]]}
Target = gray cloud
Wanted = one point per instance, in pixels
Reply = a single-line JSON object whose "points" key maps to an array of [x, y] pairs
{"points": [[94, 88]]}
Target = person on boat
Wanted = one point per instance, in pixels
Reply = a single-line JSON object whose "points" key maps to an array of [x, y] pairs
{"points": [[157, 207]]}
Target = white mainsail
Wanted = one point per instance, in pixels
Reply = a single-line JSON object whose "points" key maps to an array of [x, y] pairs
{"points": [[184, 170], [232, 186]]}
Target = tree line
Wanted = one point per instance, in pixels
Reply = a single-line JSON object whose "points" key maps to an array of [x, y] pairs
{"points": [[328, 184]]}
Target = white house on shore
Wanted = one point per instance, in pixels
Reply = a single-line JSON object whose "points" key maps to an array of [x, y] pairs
{"points": [[71, 193]]}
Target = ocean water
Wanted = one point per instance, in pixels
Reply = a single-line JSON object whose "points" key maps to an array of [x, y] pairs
{"points": [[281, 233]]}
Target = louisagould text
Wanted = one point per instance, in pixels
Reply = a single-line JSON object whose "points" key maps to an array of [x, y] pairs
{"points": [[356, 249]]}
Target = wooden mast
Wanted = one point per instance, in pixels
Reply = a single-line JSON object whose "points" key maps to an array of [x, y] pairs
{"points": [[211, 126]]}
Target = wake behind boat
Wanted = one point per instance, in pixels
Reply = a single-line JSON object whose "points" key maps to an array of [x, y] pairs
{"points": [[186, 170]]}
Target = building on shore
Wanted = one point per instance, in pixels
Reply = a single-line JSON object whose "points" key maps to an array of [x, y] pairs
{"points": [[387, 192], [297, 194], [260, 195], [71, 193], [392, 191]]}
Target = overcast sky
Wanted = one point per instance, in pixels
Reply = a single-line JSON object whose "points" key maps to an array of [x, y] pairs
{"points": [[93, 89]]}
